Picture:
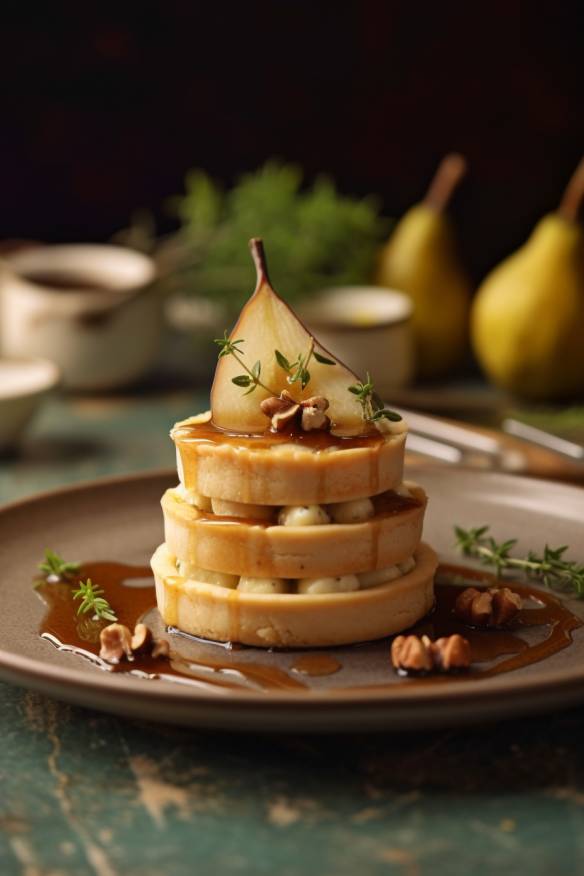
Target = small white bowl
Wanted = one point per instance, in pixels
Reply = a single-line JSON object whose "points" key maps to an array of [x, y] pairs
{"points": [[100, 320], [23, 385], [369, 328]]}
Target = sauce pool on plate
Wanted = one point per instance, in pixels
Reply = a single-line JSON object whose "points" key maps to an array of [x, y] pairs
{"points": [[543, 628]]}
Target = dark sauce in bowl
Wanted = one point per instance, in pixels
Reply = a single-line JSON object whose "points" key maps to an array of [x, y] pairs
{"points": [[66, 281]]}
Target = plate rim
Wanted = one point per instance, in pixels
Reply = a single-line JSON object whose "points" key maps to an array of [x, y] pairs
{"points": [[20, 667]]}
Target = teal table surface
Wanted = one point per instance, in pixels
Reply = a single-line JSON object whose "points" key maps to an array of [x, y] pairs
{"points": [[87, 793]]}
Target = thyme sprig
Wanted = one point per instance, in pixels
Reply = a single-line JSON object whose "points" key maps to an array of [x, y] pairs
{"points": [[371, 404], [297, 370], [92, 600], [550, 567], [251, 378], [56, 567], [227, 347]]}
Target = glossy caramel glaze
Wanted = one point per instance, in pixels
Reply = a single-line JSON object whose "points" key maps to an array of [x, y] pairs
{"points": [[316, 439], [373, 463], [493, 651]]}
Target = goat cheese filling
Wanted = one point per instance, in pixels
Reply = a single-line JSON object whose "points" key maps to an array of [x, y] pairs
{"points": [[307, 586], [355, 511]]}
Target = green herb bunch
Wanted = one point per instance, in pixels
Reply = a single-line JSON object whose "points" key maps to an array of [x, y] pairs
{"points": [[317, 237]]}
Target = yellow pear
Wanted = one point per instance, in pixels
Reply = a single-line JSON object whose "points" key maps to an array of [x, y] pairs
{"points": [[266, 325], [528, 317], [421, 259]]}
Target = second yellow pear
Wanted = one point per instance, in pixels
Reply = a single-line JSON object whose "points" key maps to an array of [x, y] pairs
{"points": [[421, 258], [528, 315]]}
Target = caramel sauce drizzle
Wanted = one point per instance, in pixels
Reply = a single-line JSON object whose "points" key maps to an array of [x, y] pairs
{"points": [[545, 611], [79, 634], [316, 664], [189, 662], [316, 439]]}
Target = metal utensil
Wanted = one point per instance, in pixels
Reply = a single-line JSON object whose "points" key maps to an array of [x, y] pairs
{"points": [[455, 444], [434, 449], [543, 439], [449, 433]]}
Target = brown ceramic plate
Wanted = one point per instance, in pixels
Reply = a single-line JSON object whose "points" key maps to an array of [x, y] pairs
{"points": [[120, 520]]}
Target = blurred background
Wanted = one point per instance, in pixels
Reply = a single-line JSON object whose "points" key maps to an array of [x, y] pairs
{"points": [[150, 126], [107, 106]]}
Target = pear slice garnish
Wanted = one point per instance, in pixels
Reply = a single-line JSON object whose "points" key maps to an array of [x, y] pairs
{"points": [[267, 324]]}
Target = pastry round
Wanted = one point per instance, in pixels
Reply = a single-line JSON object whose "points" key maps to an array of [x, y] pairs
{"points": [[273, 471], [246, 547], [293, 620]]}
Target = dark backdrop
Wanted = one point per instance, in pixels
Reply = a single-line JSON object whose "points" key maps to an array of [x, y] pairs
{"points": [[104, 106]]}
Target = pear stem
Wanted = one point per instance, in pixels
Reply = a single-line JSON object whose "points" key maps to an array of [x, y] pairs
{"points": [[258, 254], [574, 193], [450, 172]]}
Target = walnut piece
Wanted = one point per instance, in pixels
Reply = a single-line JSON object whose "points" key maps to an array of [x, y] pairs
{"points": [[411, 654], [116, 643], [283, 410], [142, 639], [277, 404], [452, 652], [420, 655], [280, 409], [316, 401], [495, 607], [313, 413]]}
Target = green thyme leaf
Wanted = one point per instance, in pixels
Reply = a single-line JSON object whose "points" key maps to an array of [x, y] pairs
{"points": [[252, 376], [92, 600], [550, 567], [55, 566], [389, 415], [323, 359], [226, 346], [242, 380], [371, 404], [282, 361]]}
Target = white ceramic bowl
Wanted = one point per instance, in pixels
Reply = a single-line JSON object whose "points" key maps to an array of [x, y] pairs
{"points": [[23, 385], [101, 337], [369, 328]]}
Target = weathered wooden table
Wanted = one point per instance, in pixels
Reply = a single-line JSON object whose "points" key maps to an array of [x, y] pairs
{"points": [[86, 793]]}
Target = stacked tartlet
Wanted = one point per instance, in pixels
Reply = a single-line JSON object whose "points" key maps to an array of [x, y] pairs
{"points": [[291, 525]]}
